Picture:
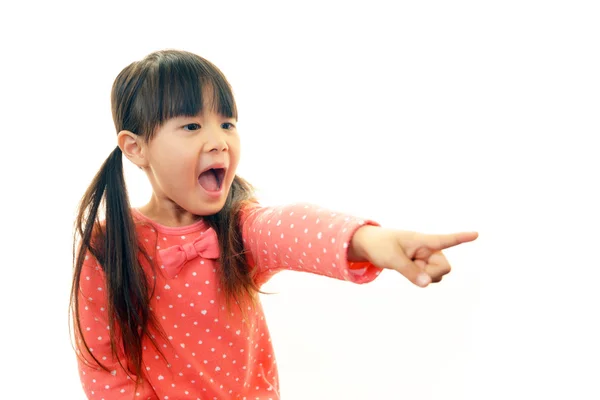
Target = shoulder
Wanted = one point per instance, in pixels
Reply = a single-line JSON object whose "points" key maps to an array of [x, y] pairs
{"points": [[143, 230]]}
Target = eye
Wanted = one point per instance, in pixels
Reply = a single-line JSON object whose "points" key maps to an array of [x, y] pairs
{"points": [[191, 127], [227, 125]]}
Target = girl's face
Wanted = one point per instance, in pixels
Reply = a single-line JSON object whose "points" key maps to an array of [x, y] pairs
{"points": [[191, 163]]}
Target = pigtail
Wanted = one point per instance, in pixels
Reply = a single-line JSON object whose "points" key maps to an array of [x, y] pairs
{"points": [[236, 277], [114, 244]]}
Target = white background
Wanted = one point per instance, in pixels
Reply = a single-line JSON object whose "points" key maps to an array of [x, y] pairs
{"points": [[434, 116]]}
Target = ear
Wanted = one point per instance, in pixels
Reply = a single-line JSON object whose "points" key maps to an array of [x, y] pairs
{"points": [[133, 147]]}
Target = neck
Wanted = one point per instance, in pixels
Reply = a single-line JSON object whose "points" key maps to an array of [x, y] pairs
{"points": [[167, 213]]}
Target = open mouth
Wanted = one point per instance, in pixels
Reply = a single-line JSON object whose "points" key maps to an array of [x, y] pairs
{"points": [[212, 179]]}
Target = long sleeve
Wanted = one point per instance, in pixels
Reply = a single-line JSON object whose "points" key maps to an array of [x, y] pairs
{"points": [[98, 383], [303, 237]]}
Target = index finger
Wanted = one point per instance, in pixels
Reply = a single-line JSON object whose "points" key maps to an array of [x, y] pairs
{"points": [[441, 242]]}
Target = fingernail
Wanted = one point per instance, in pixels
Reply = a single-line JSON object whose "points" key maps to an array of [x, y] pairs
{"points": [[423, 280]]}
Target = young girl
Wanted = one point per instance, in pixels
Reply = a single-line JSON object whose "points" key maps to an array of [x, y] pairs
{"points": [[165, 297]]}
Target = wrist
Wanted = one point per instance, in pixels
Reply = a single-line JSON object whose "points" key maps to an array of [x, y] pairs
{"points": [[356, 248]]}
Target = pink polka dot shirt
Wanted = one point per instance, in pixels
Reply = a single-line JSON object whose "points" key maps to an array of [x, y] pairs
{"points": [[213, 353]]}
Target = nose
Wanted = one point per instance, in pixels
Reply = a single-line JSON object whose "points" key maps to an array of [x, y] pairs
{"points": [[216, 140]]}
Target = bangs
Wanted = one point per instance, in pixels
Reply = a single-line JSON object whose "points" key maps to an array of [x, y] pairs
{"points": [[182, 84], [189, 90]]}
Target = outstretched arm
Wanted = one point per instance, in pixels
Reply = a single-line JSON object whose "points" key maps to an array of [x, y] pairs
{"points": [[303, 237]]}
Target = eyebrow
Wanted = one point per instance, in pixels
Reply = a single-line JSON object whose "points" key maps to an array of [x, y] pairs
{"points": [[203, 114]]}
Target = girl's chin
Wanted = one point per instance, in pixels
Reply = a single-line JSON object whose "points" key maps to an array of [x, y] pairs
{"points": [[208, 202]]}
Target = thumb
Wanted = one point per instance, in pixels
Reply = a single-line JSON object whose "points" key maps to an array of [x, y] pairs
{"points": [[410, 270]]}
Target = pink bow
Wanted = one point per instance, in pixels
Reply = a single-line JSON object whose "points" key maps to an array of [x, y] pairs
{"points": [[174, 257]]}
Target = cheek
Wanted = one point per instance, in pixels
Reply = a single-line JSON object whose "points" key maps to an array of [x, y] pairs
{"points": [[235, 151], [172, 162]]}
